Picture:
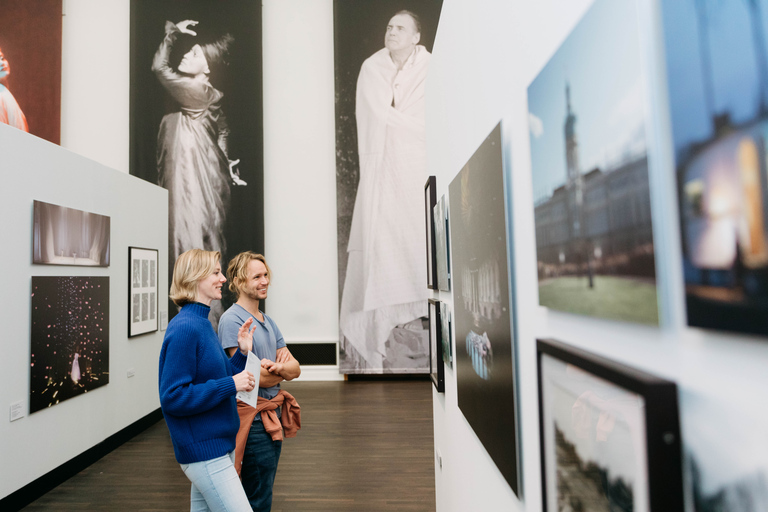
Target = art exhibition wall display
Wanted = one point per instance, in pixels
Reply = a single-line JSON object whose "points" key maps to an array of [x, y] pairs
{"points": [[30, 76], [483, 318], [445, 333], [381, 170], [436, 368], [589, 158], [724, 475], [142, 290], [66, 236], [70, 338], [441, 246], [610, 434], [197, 130], [430, 199], [717, 70]]}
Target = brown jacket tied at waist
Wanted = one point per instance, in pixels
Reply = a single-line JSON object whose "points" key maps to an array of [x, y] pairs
{"points": [[289, 421]]}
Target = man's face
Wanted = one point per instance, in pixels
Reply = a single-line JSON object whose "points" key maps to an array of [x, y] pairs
{"points": [[257, 281], [401, 33]]}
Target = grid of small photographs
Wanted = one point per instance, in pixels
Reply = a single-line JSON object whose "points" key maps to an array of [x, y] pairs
{"points": [[142, 291]]}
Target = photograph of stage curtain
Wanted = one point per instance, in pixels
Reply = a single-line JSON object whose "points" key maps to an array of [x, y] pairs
{"points": [[67, 236], [589, 159], [483, 316], [717, 68], [198, 132], [380, 175]]}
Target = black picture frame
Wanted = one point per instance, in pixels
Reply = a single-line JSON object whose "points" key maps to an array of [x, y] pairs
{"points": [[436, 368], [623, 426], [430, 200], [143, 276]]}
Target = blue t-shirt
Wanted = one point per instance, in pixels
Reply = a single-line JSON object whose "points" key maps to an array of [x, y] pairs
{"points": [[267, 338]]}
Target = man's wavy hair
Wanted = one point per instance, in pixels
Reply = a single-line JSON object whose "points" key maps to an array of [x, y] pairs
{"points": [[237, 270]]}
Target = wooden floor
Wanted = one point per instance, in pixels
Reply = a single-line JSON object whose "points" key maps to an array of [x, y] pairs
{"points": [[363, 446]]}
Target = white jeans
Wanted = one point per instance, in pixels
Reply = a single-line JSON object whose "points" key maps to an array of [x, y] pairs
{"points": [[216, 486]]}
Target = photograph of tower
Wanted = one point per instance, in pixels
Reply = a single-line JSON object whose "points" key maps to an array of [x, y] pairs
{"points": [[717, 68], [589, 158]]}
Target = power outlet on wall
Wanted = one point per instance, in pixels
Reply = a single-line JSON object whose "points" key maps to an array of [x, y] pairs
{"points": [[131, 372], [17, 410]]}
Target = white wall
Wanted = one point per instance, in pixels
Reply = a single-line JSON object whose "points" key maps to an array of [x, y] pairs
{"points": [[35, 169], [485, 56]]}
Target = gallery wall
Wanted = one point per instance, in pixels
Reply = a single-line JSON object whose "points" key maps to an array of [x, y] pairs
{"points": [[299, 152], [486, 55], [38, 170]]}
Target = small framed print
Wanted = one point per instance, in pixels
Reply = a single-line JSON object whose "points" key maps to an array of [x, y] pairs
{"points": [[441, 245], [610, 434], [436, 369], [445, 334], [430, 199], [142, 290]]}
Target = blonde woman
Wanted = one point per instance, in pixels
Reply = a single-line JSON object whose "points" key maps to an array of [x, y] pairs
{"points": [[198, 384]]}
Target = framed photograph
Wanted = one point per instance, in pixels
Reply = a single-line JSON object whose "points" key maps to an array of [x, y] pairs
{"points": [[441, 245], [610, 434], [142, 290], [445, 334], [430, 199], [69, 347], [66, 236], [436, 369]]}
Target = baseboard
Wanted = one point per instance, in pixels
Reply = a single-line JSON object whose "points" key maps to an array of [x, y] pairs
{"points": [[37, 488], [320, 373]]}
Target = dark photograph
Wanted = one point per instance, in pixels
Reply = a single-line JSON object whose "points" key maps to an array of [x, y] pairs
{"points": [[70, 338], [382, 54], [196, 121], [589, 158], [30, 67], [717, 68], [483, 319], [66, 236]]}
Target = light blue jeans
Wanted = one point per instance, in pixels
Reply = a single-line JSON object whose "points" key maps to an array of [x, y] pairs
{"points": [[216, 486]]}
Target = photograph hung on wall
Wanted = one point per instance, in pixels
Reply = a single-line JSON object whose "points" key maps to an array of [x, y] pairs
{"points": [[610, 434], [30, 67], [70, 338], [142, 290], [445, 333], [589, 159], [196, 122], [724, 475], [483, 316], [441, 245], [382, 53], [717, 71], [430, 199], [67, 236], [436, 368]]}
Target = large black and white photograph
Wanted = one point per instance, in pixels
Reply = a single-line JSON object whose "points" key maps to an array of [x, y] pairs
{"points": [[610, 436], [70, 338], [441, 245], [725, 475], [589, 158], [142, 290], [196, 121], [382, 54], [483, 317], [67, 236], [717, 71]]}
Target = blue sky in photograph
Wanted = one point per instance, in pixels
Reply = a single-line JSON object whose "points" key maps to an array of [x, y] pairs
{"points": [[734, 67], [600, 60]]}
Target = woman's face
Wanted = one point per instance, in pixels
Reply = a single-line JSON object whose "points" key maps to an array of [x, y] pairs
{"points": [[5, 68], [209, 288], [194, 63]]}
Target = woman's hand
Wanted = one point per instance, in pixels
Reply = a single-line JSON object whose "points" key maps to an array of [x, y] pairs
{"points": [[235, 173], [244, 381], [183, 27], [245, 337]]}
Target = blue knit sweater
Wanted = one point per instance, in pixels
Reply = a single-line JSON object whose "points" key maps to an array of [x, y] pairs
{"points": [[197, 392]]}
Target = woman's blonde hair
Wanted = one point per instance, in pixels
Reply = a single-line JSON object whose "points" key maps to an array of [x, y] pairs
{"points": [[237, 270], [190, 268]]}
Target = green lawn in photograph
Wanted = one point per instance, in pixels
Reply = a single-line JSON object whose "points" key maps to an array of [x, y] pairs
{"points": [[614, 298]]}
